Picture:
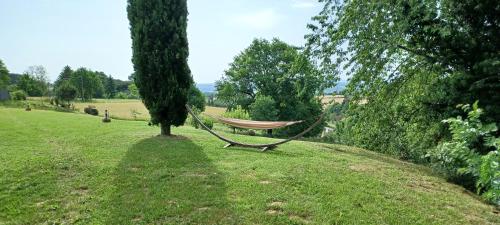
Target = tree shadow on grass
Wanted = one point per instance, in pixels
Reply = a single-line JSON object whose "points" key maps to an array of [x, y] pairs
{"points": [[168, 181]]}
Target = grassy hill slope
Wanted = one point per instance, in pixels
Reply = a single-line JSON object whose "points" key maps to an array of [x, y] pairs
{"points": [[72, 168]]}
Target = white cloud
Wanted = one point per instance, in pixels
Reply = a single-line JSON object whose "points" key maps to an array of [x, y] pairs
{"points": [[263, 19], [304, 3]]}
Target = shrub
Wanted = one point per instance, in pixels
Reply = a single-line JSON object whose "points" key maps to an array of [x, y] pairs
{"points": [[206, 120], [121, 95], [264, 109], [471, 156], [91, 110], [196, 99], [66, 92], [238, 113], [192, 122], [489, 176], [18, 95]]}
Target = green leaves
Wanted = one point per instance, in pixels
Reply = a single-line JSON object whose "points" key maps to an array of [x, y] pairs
{"points": [[472, 153], [488, 183], [66, 92], [196, 99], [4, 76], [264, 109], [280, 72], [87, 83], [160, 51]]}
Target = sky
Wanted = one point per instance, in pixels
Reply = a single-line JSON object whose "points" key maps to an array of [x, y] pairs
{"points": [[95, 33]]}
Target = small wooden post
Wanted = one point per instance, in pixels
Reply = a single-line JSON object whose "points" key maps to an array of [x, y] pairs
{"points": [[106, 118]]}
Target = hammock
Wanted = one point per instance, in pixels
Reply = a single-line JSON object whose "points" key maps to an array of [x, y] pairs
{"points": [[259, 125], [264, 147]]}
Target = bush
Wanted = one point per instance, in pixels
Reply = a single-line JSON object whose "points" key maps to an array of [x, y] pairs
{"points": [[209, 122], [18, 95], [264, 109], [121, 95], [91, 110], [489, 176], [471, 156], [66, 92], [238, 113], [196, 99]]}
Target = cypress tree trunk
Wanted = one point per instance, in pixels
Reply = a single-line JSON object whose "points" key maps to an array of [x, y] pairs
{"points": [[165, 129]]}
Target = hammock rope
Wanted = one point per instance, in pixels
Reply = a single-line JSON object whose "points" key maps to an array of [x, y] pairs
{"points": [[263, 147]]}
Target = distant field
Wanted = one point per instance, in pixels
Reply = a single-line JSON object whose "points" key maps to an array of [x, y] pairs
{"points": [[119, 108], [331, 99], [124, 108], [214, 111]]}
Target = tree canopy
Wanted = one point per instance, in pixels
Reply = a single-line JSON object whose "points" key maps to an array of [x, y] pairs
{"points": [[34, 81], [380, 42], [66, 92], [4, 75], [280, 72], [263, 109], [160, 52], [413, 61], [87, 83], [410, 64], [65, 75], [110, 87]]}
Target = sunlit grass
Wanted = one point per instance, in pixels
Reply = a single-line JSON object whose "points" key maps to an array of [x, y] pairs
{"points": [[65, 168]]}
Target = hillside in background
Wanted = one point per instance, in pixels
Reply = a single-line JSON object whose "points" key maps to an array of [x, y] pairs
{"points": [[207, 88], [341, 85], [210, 87]]}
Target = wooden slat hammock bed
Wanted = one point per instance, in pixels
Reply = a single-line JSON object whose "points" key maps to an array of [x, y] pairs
{"points": [[255, 125]]}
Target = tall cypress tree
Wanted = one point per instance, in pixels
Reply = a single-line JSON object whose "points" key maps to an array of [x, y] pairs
{"points": [[160, 52]]}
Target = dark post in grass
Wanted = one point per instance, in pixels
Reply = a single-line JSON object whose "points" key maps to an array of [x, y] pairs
{"points": [[106, 118], [160, 52]]}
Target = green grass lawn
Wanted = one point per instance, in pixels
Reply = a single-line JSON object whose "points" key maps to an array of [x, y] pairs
{"points": [[70, 168]]}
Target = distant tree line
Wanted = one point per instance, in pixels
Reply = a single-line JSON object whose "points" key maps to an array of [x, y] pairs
{"points": [[85, 83]]}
